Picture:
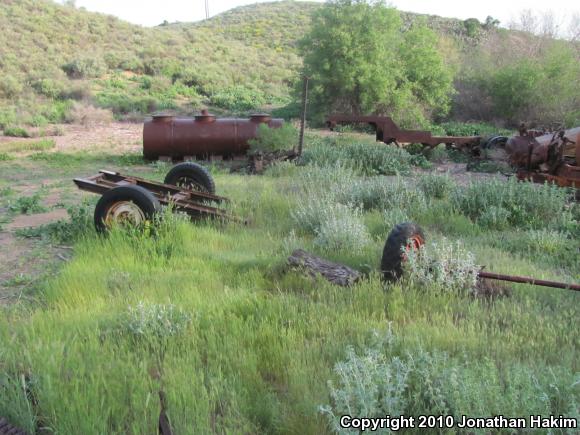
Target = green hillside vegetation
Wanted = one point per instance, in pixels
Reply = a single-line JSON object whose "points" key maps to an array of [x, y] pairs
{"points": [[54, 58]]}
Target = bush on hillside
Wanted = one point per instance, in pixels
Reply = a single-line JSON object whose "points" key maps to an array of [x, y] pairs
{"points": [[16, 132], [274, 139], [238, 99]]}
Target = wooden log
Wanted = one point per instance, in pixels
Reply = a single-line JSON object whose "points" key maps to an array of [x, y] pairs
{"points": [[7, 429], [337, 274]]}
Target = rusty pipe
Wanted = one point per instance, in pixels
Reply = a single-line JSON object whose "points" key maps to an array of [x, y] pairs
{"points": [[528, 280]]}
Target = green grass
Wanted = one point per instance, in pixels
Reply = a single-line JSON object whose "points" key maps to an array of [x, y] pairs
{"points": [[246, 346], [39, 145]]}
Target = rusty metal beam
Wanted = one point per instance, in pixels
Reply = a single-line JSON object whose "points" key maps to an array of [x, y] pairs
{"points": [[528, 280], [388, 131]]}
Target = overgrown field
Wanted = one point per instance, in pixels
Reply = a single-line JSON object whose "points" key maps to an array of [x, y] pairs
{"points": [[209, 314]]}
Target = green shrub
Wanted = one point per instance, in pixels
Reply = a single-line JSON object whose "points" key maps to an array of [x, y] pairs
{"points": [[312, 211], [155, 321], [49, 88], [79, 224], [443, 266], [85, 67], [123, 103], [379, 382], [494, 218], [27, 204], [438, 154], [238, 99], [342, 230], [368, 159], [454, 128], [4, 157], [7, 117], [16, 132], [529, 205], [436, 185], [381, 193], [10, 86], [56, 111], [274, 139]]}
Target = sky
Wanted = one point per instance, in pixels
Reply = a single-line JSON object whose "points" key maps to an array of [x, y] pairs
{"points": [[152, 13]]}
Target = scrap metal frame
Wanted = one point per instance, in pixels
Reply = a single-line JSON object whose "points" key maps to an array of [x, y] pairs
{"points": [[389, 132], [192, 202]]}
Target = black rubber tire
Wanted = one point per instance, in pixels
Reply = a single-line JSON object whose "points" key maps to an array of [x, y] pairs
{"points": [[494, 142], [391, 263], [199, 175], [140, 196]]}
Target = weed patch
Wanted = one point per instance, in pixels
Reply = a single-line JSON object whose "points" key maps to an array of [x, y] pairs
{"points": [[28, 204], [39, 145], [16, 132]]}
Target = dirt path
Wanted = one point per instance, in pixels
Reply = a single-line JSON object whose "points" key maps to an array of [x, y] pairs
{"points": [[24, 260]]}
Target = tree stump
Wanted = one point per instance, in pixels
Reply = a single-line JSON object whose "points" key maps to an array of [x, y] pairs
{"points": [[314, 266]]}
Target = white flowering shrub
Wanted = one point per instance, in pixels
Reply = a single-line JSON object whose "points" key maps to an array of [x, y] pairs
{"points": [[368, 385], [313, 210], [156, 320], [343, 230], [381, 381], [443, 266], [381, 193]]}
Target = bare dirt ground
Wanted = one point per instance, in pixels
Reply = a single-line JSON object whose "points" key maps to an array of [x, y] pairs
{"points": [[24, 260]]}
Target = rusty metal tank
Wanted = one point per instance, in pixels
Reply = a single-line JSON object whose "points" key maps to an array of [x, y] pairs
{"points": [[202, 136]]}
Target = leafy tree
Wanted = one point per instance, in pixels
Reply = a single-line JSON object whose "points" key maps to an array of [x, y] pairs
{"points": [[360, 61], [545, 89]]}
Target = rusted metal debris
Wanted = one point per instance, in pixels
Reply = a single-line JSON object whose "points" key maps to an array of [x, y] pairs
{"points": [[202, 136], [335, 273], [260, 161], [192, 202], [528, 280], [552, 157], [388, 132], [7, 429]]}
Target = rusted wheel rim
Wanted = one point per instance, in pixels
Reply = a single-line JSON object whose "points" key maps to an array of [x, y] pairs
{"points": [[125, 213], [190, 183], [414, 243]]}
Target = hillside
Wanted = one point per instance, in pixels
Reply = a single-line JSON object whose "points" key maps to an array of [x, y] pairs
{"points": [[55, 58], [52, 54]]}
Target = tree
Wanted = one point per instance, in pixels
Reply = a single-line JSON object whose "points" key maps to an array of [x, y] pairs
{"points": [[360, 61]]}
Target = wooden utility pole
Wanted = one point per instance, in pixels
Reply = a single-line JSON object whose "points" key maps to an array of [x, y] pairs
{"points": [[303, 118]]}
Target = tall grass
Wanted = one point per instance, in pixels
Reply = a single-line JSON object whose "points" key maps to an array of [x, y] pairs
{"points": [[255, 344]]}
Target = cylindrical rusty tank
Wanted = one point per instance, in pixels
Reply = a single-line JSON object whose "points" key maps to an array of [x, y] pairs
{"points": [[201, 136]]}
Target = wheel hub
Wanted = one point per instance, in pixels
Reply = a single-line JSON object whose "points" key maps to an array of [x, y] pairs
{"points": [[125, 213]]}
